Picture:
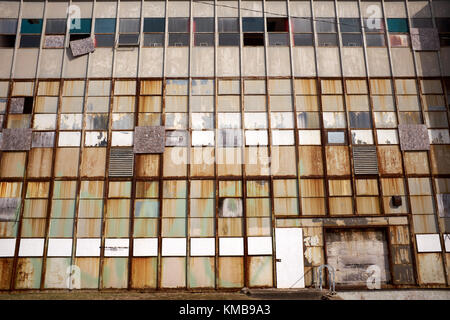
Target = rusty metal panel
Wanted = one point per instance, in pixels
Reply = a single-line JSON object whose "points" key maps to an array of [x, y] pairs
{"points": [[90, 209], [173, 272], [331, 86], [144, 273], [285, 206], [117, 228], [6, 268], [399, 235], [413, 137], [401, 254], [285, 188], [147, 189], [19, 121], [260, 272], [424, 223], [33, 208], [173, 227], [62, 209], [416, 163], [340, 188], [12, 164], [82, 46], [151, 87], [9, 209], [16, 139], [202, 227], [174, 208], [371, 244], [431, 86], [257, 188], [118, 208], [419, 186], [93, 162], [259, 227], [430, 268], [229, 162], [202, 189], [201, 272], [230, 188], [313, 206], [332, 103], [312, 188], [48, 88], [89, 272], [146, 208], [422, 205], [367, 205], [365, 160], [147, 165], [64, 189], [91, 189], [393, 186], [340, 205], [258, 207], [305, 86], [121, 162], [310, 161], [175, 162], [425, 39], [28, 273], [442, 185], [230, 227], [403, 274], [115, 273], [119, 189], [56, 274], [440, 161], [356, 86], [66, 163], [145, 227], [202, 208], [73, 88], [10, 189], [338, 162], [231, 272], [89, 227], [150, 104], [61, 228], [443, 203], [390, 161], [202, 161], [381, 86], [366, 187]]}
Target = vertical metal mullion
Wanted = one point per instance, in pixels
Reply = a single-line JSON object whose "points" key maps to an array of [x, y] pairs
{"points": [[216, 143]]}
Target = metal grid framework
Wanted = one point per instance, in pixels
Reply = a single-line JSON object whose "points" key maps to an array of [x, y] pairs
{"points": [[349, 200]]}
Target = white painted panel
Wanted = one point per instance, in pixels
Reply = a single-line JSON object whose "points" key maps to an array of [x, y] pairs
{"points": [[428, 243], [447, 242], [59, 248], [282, 137], [95, 138], [203, 138], [259, 245], [203, 247], [362, 137], [122, 138], [353, 62], [395, 9], [309, 137], [231, 246], [89, 247], [229, 120], [387, 136], [289, 249], [44, 122], [255, 120], [117, 247], [145, 247], [69, 139], [31, 247], [256, 137], [173, 247], [7, 247]]}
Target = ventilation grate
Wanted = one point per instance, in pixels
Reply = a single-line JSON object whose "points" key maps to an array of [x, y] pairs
{"points": [[365, 160], [121, 162]]}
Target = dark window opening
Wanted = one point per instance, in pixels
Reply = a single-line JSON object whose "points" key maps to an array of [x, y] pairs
{"points": [[178, 39], [228, 24], [55, 26], [360, 120], [277, 25], [327, 40], [278, 39], [444, 40], [105, 25], [204, 39], [253, 39], [203, 25], [302, 40], [375, 40], [28, 105], [443, 24], [326, 25], [153, 39], [74, 37], [350, 24], [421, 23], [104, 40], [8, 26], [178, 24], [301, 25], [7, 41], [154, 25], [229, 39], [253, 24], [30, 41], [352, 40], [31, 26], [126, 39], [129, 25]]}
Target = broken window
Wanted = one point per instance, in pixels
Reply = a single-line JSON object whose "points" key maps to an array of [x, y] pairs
{"points": [[105, 29], [253, 39], [21, 105], [362, 137], [360, 120], [8, 28], [96, 139], [80, 29]]}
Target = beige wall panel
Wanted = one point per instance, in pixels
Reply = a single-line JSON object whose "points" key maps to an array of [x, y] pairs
{"points": [[428, 64], [32, 9], [328, 62], [353, 62], [226, 8], [402, 62], [254, 61], [178, 9], [130, 9], [75, 67], [6, 56], [126, 63], [255, 7], [177, 60], [9, 9], [279, 61], [151, 62], [105, 9], [25, 63], [228, 61], [154, 9], [203, 9], [378, 62], [100, 62], [202, 62], [304, 62], [50, 63]]}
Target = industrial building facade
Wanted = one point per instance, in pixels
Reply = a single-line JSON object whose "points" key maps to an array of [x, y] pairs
{"points": [[224, 144]]}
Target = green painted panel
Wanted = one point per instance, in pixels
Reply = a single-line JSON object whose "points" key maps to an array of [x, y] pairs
{"points": [[28, 273], [117, 228], [61, 228], [260, 271], [145, 228], [258, 207], [173, 227], [115, 273], [90, 209], [201, 272], [146, 208], [63, 209]]}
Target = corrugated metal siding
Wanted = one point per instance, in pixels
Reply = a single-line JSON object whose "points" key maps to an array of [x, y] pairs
{"points": [[121, 162], [365, 160]]}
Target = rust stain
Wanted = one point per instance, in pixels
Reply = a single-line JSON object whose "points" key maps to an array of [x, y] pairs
{"points": [[151, 87]]}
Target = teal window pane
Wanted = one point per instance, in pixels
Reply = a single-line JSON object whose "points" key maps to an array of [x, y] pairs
{"points": [[397, 25], [84, 26], [31, 26], [105, 25], [146, 208]]}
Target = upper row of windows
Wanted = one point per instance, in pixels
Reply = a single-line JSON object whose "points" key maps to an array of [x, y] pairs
{"points": [[228, 28]]}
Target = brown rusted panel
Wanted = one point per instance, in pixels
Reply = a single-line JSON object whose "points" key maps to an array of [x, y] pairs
{"points": [[399, 235], [403, 274], [416, 163], [202, 189], [285, 206], [115, 273], [259, 227], [202, 162], [10, 189], [201, 272], [313, 206], [367, 205], [12, 164], [440, 160], [230, 227], [229, 161], [424, 223], [144, 273], [40, 163], [430, 268], [28, 274], [35, 208], [151, 87], [89, 228], [37, 189], [6, 267], [257, 161], [150, 104], [285, 188], [147, 165], [389, 159], [305, 86], [48, 88], [258, 188], [422, 205], [33, 228], [340, 205], [401, 254], [89, 272], [66, 162], [231, 272], [340, 187], [331, 86], [175, 162], [393, 186], [230, 188], [64, 189], [147, 189], [356, 86], [366, 187], [310, 161], [381, 86], [118, 208], [338, 162], [93, 162], [312, 188], [91, 189], [119, 189], [283, 161], [173, 272]]}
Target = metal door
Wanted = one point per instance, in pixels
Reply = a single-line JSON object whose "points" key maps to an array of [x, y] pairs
{"points": [[289, 255]]}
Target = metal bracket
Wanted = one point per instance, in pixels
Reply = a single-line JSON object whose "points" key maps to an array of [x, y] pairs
{"points": [[330, 271]]}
